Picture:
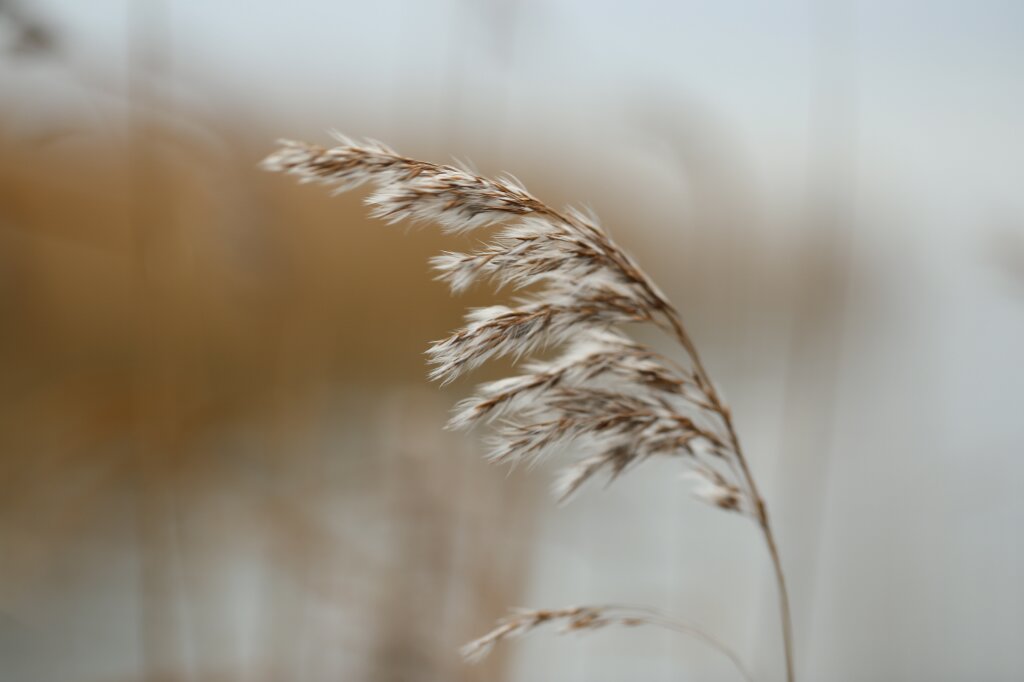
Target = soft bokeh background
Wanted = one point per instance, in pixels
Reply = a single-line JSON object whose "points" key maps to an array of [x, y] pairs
{"points": [[219, 457]]}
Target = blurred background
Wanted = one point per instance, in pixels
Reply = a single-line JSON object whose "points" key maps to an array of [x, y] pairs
{"points": [[220, 459]]}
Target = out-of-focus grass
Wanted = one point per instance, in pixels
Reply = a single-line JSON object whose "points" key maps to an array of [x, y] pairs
{"points": [[201, 363]]}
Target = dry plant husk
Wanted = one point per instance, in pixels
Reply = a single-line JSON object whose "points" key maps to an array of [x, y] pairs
{"points": [[615, 401]]}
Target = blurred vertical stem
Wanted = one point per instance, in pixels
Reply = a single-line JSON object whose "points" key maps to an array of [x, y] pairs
{"points": [[149, 206]]}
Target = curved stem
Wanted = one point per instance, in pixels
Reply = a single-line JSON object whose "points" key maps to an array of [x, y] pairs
{"points": [[684, 629], [780, 579], [656, 617], [719, 407]]}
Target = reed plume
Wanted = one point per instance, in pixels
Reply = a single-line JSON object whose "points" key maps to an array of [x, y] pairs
{"points": [[586, 618], [616, 401]]}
